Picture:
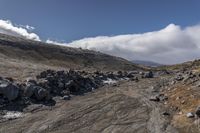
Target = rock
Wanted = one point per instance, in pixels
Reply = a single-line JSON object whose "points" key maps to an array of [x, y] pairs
{"points": [[120, 74], [61, 85], [41, 93], [130, 75], [9, 79], [66, 97], [44, 83], [148, 74], [30, 80], [155, 99], [29, 90], [190, 115], [198, 111], [65, 92], [9, 90], [179, 77], [166, 113], [183, 102], [163, 97]]}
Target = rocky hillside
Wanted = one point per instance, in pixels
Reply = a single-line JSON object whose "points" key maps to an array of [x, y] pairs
{"points": [[40, 93], [24, 57], [189, 65]]}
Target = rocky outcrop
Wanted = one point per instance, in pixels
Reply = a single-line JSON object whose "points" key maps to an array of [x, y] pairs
{"points": [[9, 90], [50, 83]]}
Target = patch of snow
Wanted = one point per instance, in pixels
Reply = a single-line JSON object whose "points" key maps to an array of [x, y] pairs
{"points": [[109, 81], [12, 115]]}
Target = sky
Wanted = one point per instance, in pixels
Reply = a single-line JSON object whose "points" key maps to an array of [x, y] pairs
{"points": [[151, 30]]}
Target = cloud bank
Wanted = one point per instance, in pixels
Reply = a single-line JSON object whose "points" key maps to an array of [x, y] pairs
{"points": [[169, 45], [7, 27]]}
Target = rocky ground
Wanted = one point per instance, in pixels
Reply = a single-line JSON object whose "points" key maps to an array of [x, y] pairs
{"points": [[40, 93], [78, 101]]}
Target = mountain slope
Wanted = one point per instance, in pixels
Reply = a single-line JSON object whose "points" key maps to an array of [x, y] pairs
{"points": [[23, 55], [147, 63]]}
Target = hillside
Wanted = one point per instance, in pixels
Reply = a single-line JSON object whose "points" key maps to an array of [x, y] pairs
{"points": [[189, 65], [147, 63], [121, 97], [23, 57]]}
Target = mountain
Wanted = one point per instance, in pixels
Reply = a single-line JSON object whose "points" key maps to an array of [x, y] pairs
{"points": [[121, 97], [21, 57], [147, 63]]}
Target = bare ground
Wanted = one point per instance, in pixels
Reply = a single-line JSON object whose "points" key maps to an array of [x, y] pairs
{"points": [[122, 108]]}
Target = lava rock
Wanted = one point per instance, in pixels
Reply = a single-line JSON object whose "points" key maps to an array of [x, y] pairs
{"points": [[41, 93], [166, 113], [29, 90], [198, 111], [66, 97], [148, 74], [155, 99], [9, 90]]}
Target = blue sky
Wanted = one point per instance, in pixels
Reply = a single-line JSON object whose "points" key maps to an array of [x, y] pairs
{"points": [[70, 20], [163, 31]]}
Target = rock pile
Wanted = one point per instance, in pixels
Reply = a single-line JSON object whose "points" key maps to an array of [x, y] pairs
{"points": [[52, 83], [187, 77]]}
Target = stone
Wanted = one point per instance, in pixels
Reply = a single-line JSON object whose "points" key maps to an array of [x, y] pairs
{"points": [[41, 93], [198, 111], [9, 90], [130, 75], [30, 80], [190, 115], [166, 113], [148, 74], [66, 97], [179, 77], [155, 99], [29, 90]]}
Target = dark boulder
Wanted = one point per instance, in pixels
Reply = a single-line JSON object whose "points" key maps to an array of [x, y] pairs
{"points": [[41, 93], [148, 74], [29, 90], [198, 111], [66, 97], [130, 75], [154, 98], [9, 90]]}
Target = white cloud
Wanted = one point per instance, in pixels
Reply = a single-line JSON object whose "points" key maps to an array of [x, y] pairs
{"points": [[7, 27], [55, 42], [168, 46]]}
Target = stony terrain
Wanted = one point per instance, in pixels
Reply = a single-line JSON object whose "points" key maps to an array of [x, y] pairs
{"points": [[41, 93], [24, 57]]}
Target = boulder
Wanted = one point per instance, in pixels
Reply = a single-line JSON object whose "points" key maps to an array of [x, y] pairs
{"points": [[190, 115], [41, 93], [148, 74], [154, 98], [198, 111], [9, 90], [29, 90], [30, 80], [66, 97], [130, 75], [179, 77], [166, 113]]}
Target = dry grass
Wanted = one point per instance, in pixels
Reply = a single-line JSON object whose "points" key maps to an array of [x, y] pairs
{"points": [[185, 99]]}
